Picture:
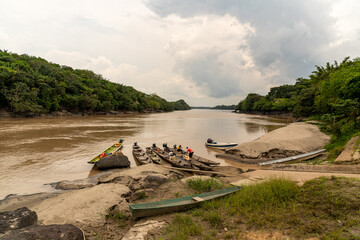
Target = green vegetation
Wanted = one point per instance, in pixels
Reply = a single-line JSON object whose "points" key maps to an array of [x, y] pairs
{"points": [[182, 227], [207, 185], [34, 85], [325, 208], [225, 107], [118, 216], [330, 94]]}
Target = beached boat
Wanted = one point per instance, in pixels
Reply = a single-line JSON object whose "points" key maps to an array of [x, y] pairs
{"points": [[140, 155], [300, 157], [154, 157], [184, 155], [112, 149], [179, 204], [173, 160], [212, 143], [199, 159]]}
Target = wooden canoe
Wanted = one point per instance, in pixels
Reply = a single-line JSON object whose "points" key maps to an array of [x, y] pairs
{"points": [[112, 149], [175, 161], [200, 159], [183, 155], [299, 157], [140, 155], [179, 204], [154, 157]]}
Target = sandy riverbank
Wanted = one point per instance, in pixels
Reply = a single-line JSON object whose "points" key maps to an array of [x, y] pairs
{"points": [[295, 138], [87, 207]]}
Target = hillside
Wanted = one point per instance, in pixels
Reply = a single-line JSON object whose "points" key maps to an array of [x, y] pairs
{"points": [[33, 85], [331, 95]]}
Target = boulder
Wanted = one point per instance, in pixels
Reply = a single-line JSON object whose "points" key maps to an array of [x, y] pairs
{"points": [[45, 232], [76, 184], [17, 219], [154, 180], [141, 230], [117, 160]]}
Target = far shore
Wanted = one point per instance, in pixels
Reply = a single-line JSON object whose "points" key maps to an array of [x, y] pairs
{"points": [[64, 113]]}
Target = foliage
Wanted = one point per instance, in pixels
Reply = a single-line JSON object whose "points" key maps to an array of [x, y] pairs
{"points": [[207, 185], [330, 93], [225, 107], [182, 227], [323, 208], [34, 85]]}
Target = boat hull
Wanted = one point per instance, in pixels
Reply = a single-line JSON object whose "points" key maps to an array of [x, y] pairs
{"points": [[112, 149], [141, 156], [221, 145], [179, 204]]}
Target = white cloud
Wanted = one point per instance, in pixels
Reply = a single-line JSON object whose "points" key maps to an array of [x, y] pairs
{"points": [[206, 52]]}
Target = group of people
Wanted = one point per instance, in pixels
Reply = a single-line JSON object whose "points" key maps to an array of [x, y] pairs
{"points": [[180, 150]]}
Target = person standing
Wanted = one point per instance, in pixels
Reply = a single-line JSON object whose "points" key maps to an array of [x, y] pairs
{"points": [[191, 152]]}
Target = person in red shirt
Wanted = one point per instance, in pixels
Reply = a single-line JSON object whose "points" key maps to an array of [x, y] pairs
{"points": [[191, 152]]}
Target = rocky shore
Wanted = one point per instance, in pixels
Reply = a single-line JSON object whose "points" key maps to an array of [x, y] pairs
{"points": [[81, 208]]}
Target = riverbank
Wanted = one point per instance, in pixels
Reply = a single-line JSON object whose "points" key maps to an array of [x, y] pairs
{"points": [[7, 114], [294, 139], [86, 203]]}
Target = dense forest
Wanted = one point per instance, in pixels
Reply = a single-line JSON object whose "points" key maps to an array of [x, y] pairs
{"points": [[33, 85], [331, 94], [225, 107]]}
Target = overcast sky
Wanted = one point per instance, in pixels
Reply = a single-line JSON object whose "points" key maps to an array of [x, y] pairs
{"points": [[207, 52]]}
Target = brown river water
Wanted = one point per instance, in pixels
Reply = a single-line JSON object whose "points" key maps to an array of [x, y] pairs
{"points": [[38, 151]]}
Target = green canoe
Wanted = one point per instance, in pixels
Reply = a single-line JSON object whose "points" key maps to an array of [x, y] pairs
{"points": [[112, 149], [178, 204]]}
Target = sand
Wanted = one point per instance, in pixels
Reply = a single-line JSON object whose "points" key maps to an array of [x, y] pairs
{"points": [[295, 137], [87, 207]]}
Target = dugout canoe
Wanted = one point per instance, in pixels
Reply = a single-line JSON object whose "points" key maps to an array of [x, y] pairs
{"points": [[174, 161], [205, 161], [178, 204], [112, 149], [140, 155], [154, 157], [185, 156]]}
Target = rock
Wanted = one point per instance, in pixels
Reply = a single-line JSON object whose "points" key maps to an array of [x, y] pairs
{"points": [[140, 230], [154, 180], [77, 184], [228, 170], [196, 177], [143, 193], [17, 219], [117, 160], [43, 232], [81, 206], [347, 154]]}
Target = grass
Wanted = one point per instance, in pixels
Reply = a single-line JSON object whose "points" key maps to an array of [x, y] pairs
{"points": [[142, 195], [207, 185], [182, 227], [325, 208], [119, 216]]}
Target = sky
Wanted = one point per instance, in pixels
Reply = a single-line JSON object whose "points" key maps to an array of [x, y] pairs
{"points": [[207, 52]]}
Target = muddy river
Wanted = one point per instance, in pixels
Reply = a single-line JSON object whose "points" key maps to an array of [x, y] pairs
{"points": [[38, 151]]}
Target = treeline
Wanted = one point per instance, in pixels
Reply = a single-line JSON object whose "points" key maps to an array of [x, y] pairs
{"points": [[34, 85], [330, 94], [225, 107]]}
